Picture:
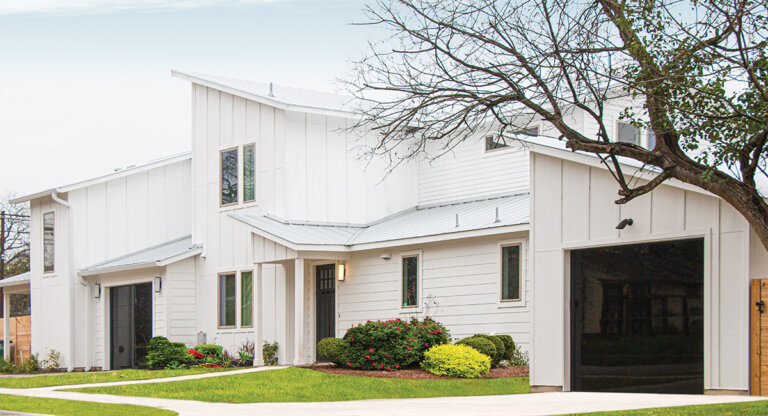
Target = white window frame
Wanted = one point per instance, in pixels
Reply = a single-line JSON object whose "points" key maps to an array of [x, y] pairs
{"points": [[523, 243], [42, 228], [419, 281]]}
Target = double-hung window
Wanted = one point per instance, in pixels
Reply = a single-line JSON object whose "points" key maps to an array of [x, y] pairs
{"points": [[511, 271], [410, 270], [229, 177], [227, 299], [49, 246]]}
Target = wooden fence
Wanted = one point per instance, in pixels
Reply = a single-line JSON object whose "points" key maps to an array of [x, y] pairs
{"points": [[21, 335]]}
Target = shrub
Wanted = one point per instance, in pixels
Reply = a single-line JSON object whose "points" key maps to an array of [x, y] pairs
{"points": [[246, 353], [269, 353], [333, 349], [498, 344], [210, 349], [481, 344], [52, 361], [456, 361], [509, 346], [162, 353], [519, 358], [31, 365], [391, 345]]}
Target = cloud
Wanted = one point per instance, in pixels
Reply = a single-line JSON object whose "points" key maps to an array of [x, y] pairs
{"points": [[70, 7]]}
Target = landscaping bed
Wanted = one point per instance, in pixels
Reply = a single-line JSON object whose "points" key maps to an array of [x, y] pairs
{"points": [[417, 374]]}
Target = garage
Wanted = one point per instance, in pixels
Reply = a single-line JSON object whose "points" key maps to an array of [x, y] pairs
{"points": [[637, 317]]}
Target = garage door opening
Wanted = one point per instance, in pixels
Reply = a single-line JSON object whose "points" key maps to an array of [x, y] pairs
{"points": [[637, 320]]}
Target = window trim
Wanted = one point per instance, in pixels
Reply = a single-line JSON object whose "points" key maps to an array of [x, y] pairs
{"points": [[218, 299], [221, 172], [638, 137], [245, 201], [42, 226], [522, 243], [239, 289], [419, 278]]}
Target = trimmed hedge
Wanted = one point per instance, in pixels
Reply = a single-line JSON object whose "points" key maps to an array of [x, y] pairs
{"points": [[498, 344], [509, 346], [456, 361], [333, 349], [210, 349], [481, 344], [162, 353]]}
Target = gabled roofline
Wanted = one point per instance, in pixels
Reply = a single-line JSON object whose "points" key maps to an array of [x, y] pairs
{"points": [[168, 160], [270, 101]]}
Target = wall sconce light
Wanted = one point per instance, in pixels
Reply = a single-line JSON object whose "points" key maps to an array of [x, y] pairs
{"points": [[624, 223], [96, 290], [158, 284], [342, 273]]}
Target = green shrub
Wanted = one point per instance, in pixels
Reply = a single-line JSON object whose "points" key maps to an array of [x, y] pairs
{"points": [[162, 353], [498, 344], [519, 358], [210, 349], [269, 353], [509, 346], [391, 345], [481, 344], [333, 349], [456, 361], [31, 365]]}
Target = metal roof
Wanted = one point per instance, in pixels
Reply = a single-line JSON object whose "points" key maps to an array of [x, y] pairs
{"points": [[19, 279], [420, 221], [289, 98], [159, 255]]}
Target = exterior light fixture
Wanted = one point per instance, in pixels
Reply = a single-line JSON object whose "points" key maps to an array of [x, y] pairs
{"points": [[97, 290], [624, 223], [342, 272], [158, 284]]}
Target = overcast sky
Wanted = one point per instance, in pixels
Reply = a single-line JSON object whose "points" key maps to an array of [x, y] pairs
{"points": [[85, 85]]}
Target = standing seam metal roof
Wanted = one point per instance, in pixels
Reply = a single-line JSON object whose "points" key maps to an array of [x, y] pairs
{"points": [[152, 254]]}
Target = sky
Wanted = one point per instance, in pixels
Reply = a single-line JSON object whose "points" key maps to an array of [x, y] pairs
{"points": [[85, 85]]}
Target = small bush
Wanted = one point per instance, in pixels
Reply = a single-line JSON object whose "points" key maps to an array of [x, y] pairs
{"points": [[509, 346], [269, 353], [498, 344], [162, 353], [246, 353], [519, 358], [333, 349], [31, 365], [210, 349], [52, 361], [456, 361], [482, 345]]}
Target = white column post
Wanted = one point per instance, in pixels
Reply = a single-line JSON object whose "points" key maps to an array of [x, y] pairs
{"points": [[258, 320], [6, 326], [298, 316]]}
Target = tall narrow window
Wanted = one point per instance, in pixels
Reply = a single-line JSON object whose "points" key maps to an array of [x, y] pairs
{"points": [[410, 281], [627, 133], [510, 273], [246, 299], [249, 173], [227, 300], [49, 249], [229, 177]]}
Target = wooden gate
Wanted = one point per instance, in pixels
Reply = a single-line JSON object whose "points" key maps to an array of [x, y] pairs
{"points": [[21, 335], [759, 338]]}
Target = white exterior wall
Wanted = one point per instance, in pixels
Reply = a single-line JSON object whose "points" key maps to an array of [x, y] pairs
{"points": [[572, 207]]}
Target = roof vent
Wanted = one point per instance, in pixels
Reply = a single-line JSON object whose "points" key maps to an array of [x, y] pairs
{"points": [[498, 217], [457, 220], [271, 90]]}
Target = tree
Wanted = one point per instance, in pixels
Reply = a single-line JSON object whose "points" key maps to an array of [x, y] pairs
{"points": [[698, 70], [16, 236]]}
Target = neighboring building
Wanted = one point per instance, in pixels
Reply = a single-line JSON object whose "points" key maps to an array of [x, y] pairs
{"points": [[274, 229]]}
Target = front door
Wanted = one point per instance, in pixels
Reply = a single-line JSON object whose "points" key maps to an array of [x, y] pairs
{"points": [[130, 316], [759, 334], [326, 303]]}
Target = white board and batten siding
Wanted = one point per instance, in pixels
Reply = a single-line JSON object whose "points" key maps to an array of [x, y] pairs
{"points": [[573, 207], [463, 278]]}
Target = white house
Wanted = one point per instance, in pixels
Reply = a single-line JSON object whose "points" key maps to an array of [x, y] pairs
{"points": [[273, 229]]}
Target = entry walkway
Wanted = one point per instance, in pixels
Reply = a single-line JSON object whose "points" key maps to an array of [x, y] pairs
{"points": [[539, 404]]}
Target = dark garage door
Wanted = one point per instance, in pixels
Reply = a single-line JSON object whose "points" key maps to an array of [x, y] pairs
{"points": [[637, 318]]}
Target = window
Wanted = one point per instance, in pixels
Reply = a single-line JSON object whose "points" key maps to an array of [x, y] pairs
{"points": [[651, 139], [510, 272], [249, 173], [497, 141], [628, 133], [227, 300], [246, 299], [229, 177], [49, 250], [410, 281]]}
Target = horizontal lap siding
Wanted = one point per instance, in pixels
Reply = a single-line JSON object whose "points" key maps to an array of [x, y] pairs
{"points": [[463, 277]]}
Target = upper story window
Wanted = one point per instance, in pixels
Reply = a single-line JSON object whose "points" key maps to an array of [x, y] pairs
{"points": [[249, 173], [410, 266], [229, 177], [49, 250], [497, 141], [627, 133], [510, 272], [651, 139]]}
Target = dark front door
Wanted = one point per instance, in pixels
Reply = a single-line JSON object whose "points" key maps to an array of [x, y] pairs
{"points": [[130, 325], [637, 318], [326, 302]]}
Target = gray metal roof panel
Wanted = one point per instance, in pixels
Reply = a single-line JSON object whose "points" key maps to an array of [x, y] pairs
{"points": [[16, 280], [152, 254]]}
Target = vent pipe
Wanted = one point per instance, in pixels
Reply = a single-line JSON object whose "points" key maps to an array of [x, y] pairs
{"points": [[498, 217], [457, 220], [271, 90]]}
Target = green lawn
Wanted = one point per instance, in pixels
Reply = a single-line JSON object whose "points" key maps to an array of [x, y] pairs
{"points": [[65, 379], [305, 385], [75, 408], [730, 409]]}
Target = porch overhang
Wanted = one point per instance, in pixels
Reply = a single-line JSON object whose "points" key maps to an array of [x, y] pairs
{"points": [[156, 256]]}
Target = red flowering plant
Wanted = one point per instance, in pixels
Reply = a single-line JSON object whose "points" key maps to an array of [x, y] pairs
{"points": [[391, 345], [198, 355]]}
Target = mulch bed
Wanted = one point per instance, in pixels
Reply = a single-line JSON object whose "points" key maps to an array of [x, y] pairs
{"points": [[416, 373]]}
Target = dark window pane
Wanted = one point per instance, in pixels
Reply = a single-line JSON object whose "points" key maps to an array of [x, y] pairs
{"points": [[249, 173], [229, 177], [628, 133], [530, 131], [494, 142], [227, 300], [246, 299], [510, 273], [20, 305], [49, 250], [410, 280]]}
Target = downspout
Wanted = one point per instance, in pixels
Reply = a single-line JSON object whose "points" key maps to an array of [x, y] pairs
{"points": [[73, 277]]}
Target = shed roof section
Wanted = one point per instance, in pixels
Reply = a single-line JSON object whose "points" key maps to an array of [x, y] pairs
{"points": [[159, 255], [18, 280], [420, 221]]}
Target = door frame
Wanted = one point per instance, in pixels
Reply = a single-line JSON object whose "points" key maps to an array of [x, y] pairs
{"points": [[106, 288], [108, 321], [312, 277]]}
